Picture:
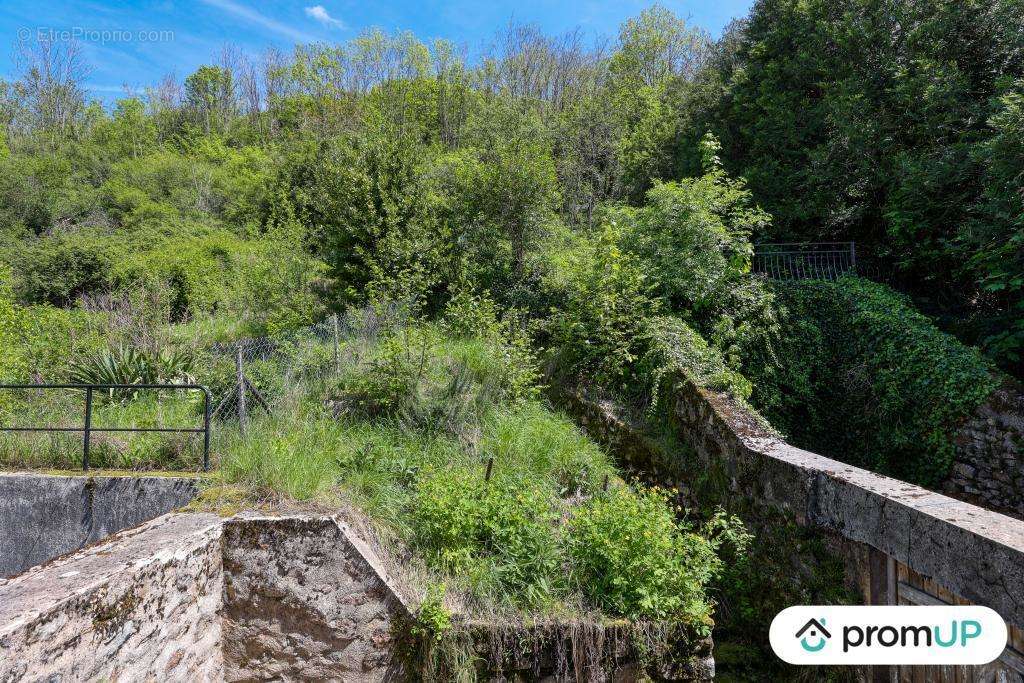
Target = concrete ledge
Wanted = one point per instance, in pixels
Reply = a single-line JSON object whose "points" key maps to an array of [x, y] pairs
{"points": [[142, 605], [44, 516]]}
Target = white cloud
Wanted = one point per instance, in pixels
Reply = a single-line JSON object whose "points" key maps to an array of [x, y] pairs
{"points": [[249, 14], [323, 16]]}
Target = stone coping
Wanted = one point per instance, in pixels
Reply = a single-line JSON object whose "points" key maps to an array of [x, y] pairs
{"points": [[976, 553], [44, 588]]}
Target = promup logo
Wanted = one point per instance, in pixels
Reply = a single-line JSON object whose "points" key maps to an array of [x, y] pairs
{"points": [[814, 629], [953, 634]]}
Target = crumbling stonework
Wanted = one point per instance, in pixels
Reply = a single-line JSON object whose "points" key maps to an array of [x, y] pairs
{"points": [[305, 599], [142, 605], [191, 597], [989, 463]]}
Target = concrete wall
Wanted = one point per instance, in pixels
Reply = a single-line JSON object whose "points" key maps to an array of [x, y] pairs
{"points": [[141, 605], [989, 461], [42, 517]]}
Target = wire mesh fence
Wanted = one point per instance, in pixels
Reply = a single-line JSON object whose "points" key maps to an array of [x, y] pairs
{"points": [[805, 260], [256, 375]]}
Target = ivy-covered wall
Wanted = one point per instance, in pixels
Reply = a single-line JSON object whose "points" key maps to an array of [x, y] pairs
{"points": [[863, 377]]}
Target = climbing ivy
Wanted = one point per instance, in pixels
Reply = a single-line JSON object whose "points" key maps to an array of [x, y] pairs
{"points": [[863, 376]]}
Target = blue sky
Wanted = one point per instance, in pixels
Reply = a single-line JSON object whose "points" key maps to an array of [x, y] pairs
{"points": [[136, 42]]}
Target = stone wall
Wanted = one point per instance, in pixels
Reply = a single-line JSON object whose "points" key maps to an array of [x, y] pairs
{"points": [[141, 605], [305, 599], [871, 523], [989, 461], [42, 517], [192, 597]]}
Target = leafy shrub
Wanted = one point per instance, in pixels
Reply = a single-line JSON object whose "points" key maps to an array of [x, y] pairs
{"points": [[693, 239], [500, 533], [58, 269], [674, 345], [126, 365], [469, 317], [598, 330], [632, 558], [862, 374], [438, 385], [695, 235], [432, 619]]}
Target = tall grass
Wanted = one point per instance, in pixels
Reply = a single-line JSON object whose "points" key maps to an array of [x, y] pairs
{"points": [[119, 450], [443, 441]]}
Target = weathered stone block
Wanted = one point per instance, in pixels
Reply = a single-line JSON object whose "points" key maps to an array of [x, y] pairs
{"points": [[141, 605]]}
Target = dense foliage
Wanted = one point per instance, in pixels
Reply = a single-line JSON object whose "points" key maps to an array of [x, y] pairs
{"points": [[406, 433], [578, 194], [864, 375], [547, 212], [895, 124]]}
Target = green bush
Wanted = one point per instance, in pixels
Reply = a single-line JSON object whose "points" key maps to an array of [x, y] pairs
{"points": [[674, 345], [693, 238], [597, 331], [58, 269], [864, 376], [499, 533], [433, 383], [631, 557]]}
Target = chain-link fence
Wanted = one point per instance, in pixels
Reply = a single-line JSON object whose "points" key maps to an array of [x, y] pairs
{"points": [[257, 375]]}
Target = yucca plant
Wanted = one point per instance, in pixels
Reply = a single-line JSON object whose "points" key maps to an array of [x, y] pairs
{"points": [[127, 365]]}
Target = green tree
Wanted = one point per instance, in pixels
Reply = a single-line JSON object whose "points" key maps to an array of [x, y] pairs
{"points": [[210, 98]]}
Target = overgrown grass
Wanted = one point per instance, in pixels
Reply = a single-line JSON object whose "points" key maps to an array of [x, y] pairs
{"points": [[407, 433], [436, 432]]}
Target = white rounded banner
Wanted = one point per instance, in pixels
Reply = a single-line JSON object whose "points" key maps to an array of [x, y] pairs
{"points": [[882, 634]]}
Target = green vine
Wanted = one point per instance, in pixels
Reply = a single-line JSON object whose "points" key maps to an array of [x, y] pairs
{"points": [[862, 375]]}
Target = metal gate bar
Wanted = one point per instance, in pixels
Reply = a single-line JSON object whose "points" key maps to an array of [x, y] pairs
{"points": [[87, 429]]}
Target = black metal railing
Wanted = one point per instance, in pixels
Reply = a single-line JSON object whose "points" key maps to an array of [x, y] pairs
{"points": [[805, 260], [87, 429]]}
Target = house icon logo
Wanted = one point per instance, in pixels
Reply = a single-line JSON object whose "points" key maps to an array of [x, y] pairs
{"points": [[814, 630]]}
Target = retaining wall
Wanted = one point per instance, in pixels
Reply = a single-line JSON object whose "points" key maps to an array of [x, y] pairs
{"points": [[989, 460], [305, 599], [42, 517], [901, 544], [190, 597]]}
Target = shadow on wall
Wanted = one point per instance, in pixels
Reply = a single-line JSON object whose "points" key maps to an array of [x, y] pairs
{"points": [[43, 516]]}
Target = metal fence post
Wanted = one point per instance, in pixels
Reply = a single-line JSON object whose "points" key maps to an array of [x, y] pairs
{"points": [[206, 429], [337, 349], [240, 378], [87, 430]]}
